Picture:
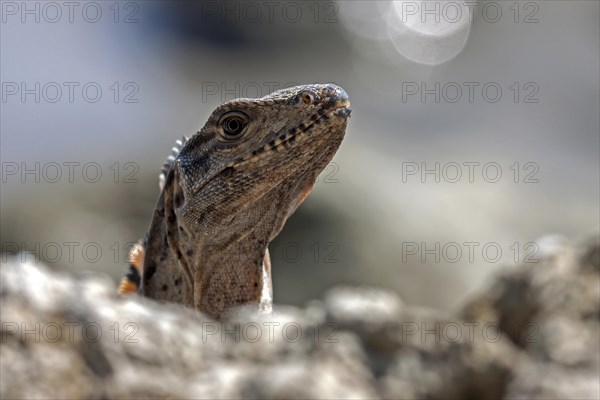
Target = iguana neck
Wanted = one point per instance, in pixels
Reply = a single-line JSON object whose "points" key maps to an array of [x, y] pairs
{"points": [[229, 274], [225, 267]]}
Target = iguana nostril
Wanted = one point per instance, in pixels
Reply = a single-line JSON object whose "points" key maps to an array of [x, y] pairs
{"points": [[308, 97]]}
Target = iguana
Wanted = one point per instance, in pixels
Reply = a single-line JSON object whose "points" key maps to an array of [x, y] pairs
{"points": [[227, 191]]}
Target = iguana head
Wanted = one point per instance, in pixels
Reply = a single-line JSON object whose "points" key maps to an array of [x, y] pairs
{"points": [[230, 190], [250, 147]]}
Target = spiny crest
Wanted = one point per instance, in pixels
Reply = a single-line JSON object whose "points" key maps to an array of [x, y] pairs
{"points": [[162, 177]]}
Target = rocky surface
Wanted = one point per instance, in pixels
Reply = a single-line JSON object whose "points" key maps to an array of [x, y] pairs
{"points": [[533, 334]]}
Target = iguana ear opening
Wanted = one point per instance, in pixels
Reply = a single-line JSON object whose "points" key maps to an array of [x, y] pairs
{"points": [[178, 195]]}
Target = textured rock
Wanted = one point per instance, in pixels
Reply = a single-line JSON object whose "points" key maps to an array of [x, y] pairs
{"points": [[533, 334], [551, 311]]}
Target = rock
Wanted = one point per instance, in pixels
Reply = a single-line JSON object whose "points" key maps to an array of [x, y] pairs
{"points": [[551, 311], [533, 334], [70, 338]]}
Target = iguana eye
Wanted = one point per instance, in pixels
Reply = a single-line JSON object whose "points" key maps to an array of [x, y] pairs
{"points": [[233, 125]]}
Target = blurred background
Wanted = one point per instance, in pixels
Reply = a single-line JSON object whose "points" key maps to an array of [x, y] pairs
{"points": [[473, 142]]}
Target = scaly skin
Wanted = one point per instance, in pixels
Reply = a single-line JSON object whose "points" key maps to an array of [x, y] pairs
{"points": [[226, 197]]}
